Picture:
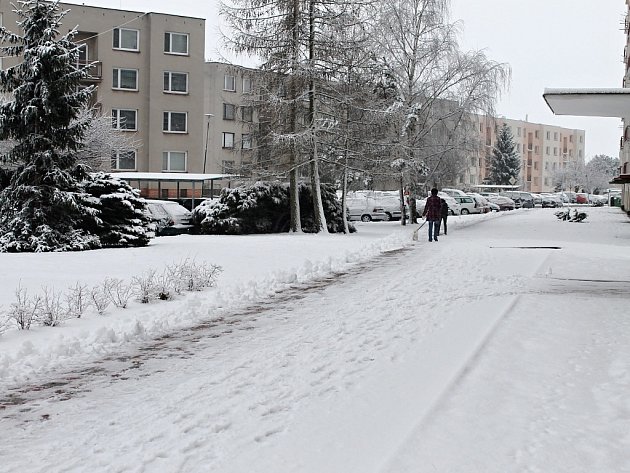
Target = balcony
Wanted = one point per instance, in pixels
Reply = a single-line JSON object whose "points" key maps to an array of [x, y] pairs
{"points": [[95, 70]]}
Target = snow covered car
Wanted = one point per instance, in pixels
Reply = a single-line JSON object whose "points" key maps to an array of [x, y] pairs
{"points": [[504, 203], [170, 217], [365, 209]]}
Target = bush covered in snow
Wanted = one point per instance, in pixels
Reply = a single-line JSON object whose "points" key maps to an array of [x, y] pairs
{"points": [[101, 211], [264, 208]]}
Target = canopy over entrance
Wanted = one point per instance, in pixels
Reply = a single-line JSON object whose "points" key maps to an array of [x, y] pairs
{"points": [[181, 183], [589, 102]]}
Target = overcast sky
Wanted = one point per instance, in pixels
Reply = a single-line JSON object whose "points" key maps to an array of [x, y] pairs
{"points": [[548, 43]]}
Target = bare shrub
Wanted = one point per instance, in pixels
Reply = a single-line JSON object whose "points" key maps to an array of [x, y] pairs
{"points": [[99, 299], [5, 321], [77, 300], [119, 293], [164, 286], [25, 309], [51, 312], [145, 286], [188, 275]]}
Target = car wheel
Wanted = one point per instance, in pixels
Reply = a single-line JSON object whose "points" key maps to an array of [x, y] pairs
{"points": [[388, 217], [465, 212], [366, 218]]}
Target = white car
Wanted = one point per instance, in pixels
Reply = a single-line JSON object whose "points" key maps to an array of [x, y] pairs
{"points": [[468, 204], [365, 209]]}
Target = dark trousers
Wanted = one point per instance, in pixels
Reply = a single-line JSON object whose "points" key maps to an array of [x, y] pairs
{"points": [[444, 223]]}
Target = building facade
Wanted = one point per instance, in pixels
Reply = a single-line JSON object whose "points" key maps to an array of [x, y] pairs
{"points": [[623, 178], [148, 70], [545, 151]]}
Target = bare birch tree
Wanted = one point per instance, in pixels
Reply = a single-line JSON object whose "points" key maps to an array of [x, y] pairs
{"points": [[438, 86]]}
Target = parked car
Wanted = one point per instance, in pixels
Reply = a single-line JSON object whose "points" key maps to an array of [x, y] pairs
{"points": [[537, 199], [452, 192], [504, 203], [481, 201], [170, 217], [581, 198], [521, 199], [551, 201], [468, 204], [365, 209]]}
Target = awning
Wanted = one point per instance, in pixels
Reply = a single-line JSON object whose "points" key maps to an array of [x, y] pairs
{"points": [[174, 177], [589, 102]]}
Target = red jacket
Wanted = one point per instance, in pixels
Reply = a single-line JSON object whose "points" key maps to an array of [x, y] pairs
{"points": [[433, 208]]}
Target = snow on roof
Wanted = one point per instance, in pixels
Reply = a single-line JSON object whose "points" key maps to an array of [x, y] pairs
{"points": [[171, 176], [602, 102]]}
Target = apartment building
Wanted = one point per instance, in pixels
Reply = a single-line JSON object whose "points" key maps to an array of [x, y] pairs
{"points": [[623, 178], [231, 117], [148, 69], [544, 150]]}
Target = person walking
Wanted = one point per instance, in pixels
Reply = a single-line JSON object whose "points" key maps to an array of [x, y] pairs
{"points": [[433, 212], [444, 213]]}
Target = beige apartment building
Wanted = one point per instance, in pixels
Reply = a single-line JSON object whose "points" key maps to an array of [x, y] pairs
{"points": [[148, 69], [230, 118], [544, 150]]}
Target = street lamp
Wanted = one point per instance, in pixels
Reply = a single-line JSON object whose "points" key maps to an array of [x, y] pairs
{"points": [[205, 153]]}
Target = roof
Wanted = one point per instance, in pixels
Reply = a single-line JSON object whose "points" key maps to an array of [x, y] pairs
{"points": [[589, 102], [171, 176]]}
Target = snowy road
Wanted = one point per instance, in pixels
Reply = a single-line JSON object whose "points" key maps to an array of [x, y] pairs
{"points": [[502, 348]]}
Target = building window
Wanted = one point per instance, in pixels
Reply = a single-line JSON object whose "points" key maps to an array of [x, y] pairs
{"points": [[524, 148], [546, 166], [124, 160], [247, 85], [176, 82], [555, 166], [175, 122], [535, 165], [546, 181], [83, 53], [555, 136], [124, 119], [548, 135], [174, 161], [176, 43], [126, 39], [248, 113], [518, 131], [246, 141], [547, 150], [229, 111], [227, 167], [125, 79], [229, 83], [570, 153], [228, 140], [536, 149], [536, 135], [570, 138], [580, 153]]}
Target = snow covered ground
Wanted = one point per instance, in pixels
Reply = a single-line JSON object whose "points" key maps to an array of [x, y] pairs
{"points": [[504, 347]]}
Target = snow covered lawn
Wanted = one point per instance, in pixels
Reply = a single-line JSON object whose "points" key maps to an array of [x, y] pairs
{"points": [[505, 347]]}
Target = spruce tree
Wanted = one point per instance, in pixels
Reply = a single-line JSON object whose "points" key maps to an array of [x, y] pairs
{"points": [[505, 162], [41, 206]]}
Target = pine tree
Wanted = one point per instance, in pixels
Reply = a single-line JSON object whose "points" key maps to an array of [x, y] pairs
{"points": [[505, 162], [43, 208]]}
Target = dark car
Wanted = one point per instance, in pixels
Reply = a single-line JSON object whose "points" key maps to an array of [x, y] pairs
{"points": [[521, 199]]}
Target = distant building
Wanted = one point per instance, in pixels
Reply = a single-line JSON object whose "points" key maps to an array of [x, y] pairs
{"points": [[544, 151]]}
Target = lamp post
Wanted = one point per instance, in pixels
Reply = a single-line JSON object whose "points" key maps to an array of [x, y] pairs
{"points": [[205, 153]]}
